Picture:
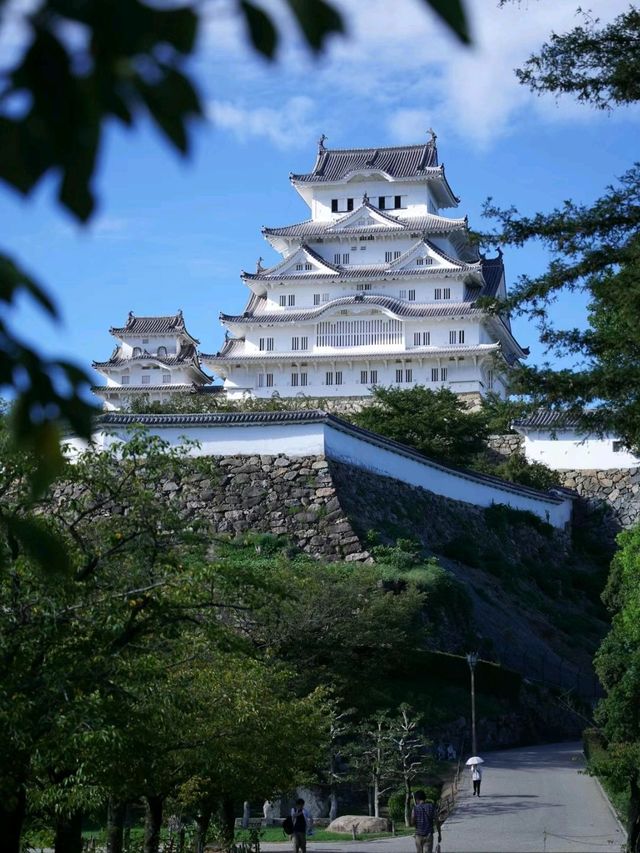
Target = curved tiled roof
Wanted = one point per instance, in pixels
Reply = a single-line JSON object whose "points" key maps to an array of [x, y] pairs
{"points": [[545, 418], [152, 326], [404, 161], [430, 224], [373, 271], [125, 389], [184, 357], [400, 307]]}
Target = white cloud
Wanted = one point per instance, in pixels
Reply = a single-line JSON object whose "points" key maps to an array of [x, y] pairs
{"points": [[400, 65], [285, 126]]}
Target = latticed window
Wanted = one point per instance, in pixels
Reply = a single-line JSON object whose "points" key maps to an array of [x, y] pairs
{"points": [[358, 333]]}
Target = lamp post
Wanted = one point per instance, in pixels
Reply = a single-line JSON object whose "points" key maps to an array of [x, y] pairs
{"points": [[472, 660]]}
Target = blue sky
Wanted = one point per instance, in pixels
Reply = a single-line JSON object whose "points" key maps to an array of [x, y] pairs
{"points": [[175, 234]]}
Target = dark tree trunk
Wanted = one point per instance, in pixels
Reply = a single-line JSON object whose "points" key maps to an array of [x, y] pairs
{"points": [[115, 826], [333, 807], [68, 837], [152, 823], [202, 827], [128, 821], [12, 814], [228, 821]]}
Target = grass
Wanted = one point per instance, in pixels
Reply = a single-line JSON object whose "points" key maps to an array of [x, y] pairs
{"points": [[274, 834]]}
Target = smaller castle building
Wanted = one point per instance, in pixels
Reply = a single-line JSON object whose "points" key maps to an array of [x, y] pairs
{"points": [[155, 357]]}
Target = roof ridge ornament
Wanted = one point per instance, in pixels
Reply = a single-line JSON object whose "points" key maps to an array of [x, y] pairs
{"points": [[365, 198], [433, 136], [321, 147], [259, 267]]}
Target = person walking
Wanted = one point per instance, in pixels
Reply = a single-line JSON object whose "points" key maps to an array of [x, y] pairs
{"points": [[302, 826], [476, 778], [423, 817]]}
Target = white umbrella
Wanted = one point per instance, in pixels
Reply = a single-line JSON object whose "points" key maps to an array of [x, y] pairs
{"points": [[475, 759]]}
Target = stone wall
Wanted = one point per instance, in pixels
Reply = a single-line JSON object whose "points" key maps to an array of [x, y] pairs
{"points": [[615, 493], [506, 445], [271, 494]]}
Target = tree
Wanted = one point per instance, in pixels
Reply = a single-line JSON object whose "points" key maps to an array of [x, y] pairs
{"points": [[594, 247], [437, 423], [409, 750], [372, 760], [618, 666], [130, 61]]}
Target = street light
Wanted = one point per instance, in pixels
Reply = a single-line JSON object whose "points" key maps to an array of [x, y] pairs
{"points": [[472, 660]]}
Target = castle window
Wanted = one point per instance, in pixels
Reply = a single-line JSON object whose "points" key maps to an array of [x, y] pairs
{"points": [[443, 374], [316, 299], [303, 379], [166, 378], [396, 255], [437, 293], [490, 387], [266, 344], [336, 258], [125, 380], [412, 296], [338, 377], [447, 293], [295, 379], [408, 375], [358, 333], [349, 204], [403, 294], [388, 257], [308, 266], [328, 377], [345, 258], [364, 377], [381, 202], [399, 375], [162, 352], [397, 201], [295, 343], [146, 380], [304, 342], [434, 374], [334, 205], [426, 339], [419, 262], [299, 267], [363, 287], [145, 340], [326, 297], [265, 380], [374, 377], [283, 301], [137, 352], [291, 299]]}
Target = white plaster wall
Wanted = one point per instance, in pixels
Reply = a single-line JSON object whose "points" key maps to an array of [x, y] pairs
{"points": [[568, 450], [229, 440], [347, 448], [418, 201]]}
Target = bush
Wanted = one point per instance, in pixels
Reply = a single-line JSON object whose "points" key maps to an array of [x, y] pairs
{"points": [[395, 806]]}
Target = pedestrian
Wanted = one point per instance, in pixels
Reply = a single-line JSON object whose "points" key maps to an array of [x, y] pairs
{"points": [[302, 826], [476, 778], [423, 817]]}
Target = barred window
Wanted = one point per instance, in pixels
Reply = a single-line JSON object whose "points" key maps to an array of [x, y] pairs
{"points": [[358, 333]]}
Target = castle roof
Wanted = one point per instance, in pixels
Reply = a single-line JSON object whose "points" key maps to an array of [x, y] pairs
{"points": [[336, 272], [399, 307], [429, 224], [187, 357], [143, 326], [397, 163], [548, 419], [403, 161]]}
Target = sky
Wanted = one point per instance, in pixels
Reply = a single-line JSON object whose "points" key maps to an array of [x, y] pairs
{"points": [[172, 233]]}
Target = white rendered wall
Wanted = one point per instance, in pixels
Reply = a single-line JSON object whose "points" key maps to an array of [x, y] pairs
{"points": [[229, 440], [569, 450], [442, 481]]}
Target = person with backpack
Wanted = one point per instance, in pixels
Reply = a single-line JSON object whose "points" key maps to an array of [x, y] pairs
{"points": [[423, 817], [301, 825]]}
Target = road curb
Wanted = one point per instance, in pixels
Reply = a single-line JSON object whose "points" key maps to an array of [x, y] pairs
{"points": [[604, 796]]}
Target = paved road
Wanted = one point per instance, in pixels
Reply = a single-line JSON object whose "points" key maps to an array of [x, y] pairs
{"points": [[534, 800]]}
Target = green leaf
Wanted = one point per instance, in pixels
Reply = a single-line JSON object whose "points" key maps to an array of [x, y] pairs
{"points": [[317, 20], [452, 13], [261, 30], [40, 542]]}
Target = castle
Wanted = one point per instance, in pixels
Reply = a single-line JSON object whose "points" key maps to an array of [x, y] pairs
{"points": [[377, 287]]}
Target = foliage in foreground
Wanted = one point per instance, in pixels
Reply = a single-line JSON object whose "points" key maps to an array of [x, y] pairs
{"points": [[618, 666], [594, 248]]}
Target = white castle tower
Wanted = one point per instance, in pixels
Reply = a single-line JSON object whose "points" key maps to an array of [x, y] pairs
{"points": [[155, 358], [376, 288]]}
